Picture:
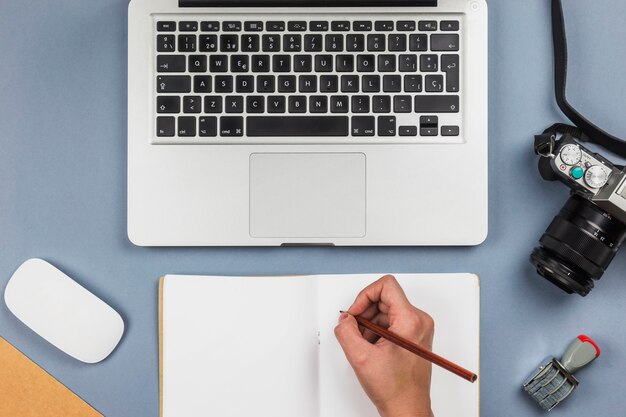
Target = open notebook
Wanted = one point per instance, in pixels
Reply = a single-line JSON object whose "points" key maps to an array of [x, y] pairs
{"points": [[265, 347]]}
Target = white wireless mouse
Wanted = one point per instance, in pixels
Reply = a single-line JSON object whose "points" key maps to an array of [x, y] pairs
{"points": [[63, 312]]}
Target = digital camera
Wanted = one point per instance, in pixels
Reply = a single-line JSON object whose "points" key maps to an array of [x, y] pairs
{"points": [[585, 236]]}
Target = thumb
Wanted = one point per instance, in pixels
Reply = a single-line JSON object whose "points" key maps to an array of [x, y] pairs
{"points": [[355, 347]]}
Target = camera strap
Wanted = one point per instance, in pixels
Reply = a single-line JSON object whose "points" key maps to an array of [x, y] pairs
{"points": [[583, 130]]}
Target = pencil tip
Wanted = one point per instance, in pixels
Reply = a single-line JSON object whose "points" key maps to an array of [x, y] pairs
{"points": [[341, 311]]}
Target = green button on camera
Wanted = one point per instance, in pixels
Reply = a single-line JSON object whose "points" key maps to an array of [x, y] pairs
{"points": [[577, 173]]}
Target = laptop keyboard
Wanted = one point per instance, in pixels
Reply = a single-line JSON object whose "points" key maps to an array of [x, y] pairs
{"points": [[222, 80]]}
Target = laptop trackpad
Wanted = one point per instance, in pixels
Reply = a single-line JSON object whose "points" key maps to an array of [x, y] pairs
{"points": [[298, 195]]}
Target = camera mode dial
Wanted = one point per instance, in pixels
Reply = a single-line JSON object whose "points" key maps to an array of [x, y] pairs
{"points": [[571, 154], [596, 177]]}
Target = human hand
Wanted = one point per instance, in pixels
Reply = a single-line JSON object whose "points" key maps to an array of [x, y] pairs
{"points": [[397, 381]]}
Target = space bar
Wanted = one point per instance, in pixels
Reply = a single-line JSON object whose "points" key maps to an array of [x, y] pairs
{"points": [[297, 126]]}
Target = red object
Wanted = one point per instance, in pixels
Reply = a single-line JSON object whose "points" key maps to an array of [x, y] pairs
{"points": [[584, 338]]}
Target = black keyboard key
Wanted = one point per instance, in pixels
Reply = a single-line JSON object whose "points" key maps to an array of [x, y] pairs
{"points": [[434, 83], [229, 43], [210, 26], [429, 63], [299, 26], [402, 104], [450, 131], [428, 131], [318, 104], [323, 63], [166, 126], [260, 63], [405, 26], [444, 42], [363, 125], [340, 26], [334, 43], [318, 26], [412, 83], [436, 104], [244, 84], [366, 63], [360, 104], [362, 26], [250, 43], [207, 126], [345, 63], [375, 42], [276, 104], [349, 83], [386, 63], [297, 126], [392, 83], [397, 42], [281, 63], [202, 84], [355, 43], [297, 104], [231, 126], [271, 43], [173, 84], [188, 26], [275, 26], [166, 26], [292, 43], [197, 63], [407, 130], [427, 25], [381, 104], [370, 84], [329, 84], [313, 43], [407, 63], [429, 121], [233, 104], [287, 84], [339, 104], [166, 43], [213, 104], [451, 66], [231, 26], [255, 104], [384, 26], [265, 84], [187, 43], [418, 43], [168, 104], [239, 63], [186, 126], [386, 126], [218, 63], [253, 26], [302, 63], [307, 84], [192, 104], [208, 43], [224, 84], [449, 25]]}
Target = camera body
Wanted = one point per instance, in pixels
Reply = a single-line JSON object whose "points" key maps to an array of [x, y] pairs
{"points": [[585, 236]]}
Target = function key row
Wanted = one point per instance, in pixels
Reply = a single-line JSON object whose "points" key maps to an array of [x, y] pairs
{"points": [[314, 26]]}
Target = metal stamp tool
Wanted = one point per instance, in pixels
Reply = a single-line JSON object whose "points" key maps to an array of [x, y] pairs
{"points": [[554, 381]]}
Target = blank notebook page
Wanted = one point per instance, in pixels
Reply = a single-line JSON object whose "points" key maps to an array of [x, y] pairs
{"points": [[264, 347]]}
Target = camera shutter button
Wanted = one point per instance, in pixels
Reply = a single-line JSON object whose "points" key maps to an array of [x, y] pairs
{"points": [[577, 173]]}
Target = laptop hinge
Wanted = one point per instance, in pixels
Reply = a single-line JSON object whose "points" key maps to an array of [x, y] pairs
{"points": [[307, 3]]}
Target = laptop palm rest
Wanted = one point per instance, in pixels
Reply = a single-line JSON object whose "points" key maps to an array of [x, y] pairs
{"points": [[300, 195]]}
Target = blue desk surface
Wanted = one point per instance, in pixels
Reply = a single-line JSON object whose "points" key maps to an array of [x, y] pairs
{"points": [[63, 198]]}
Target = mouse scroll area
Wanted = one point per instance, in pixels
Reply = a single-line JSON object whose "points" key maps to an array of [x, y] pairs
{"points": [[300, 195]]}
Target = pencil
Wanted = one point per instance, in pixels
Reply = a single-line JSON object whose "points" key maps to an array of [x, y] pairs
{"points": [[416, 349]]}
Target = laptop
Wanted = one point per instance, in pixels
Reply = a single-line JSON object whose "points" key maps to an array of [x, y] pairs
{"points": [[319, 122]]}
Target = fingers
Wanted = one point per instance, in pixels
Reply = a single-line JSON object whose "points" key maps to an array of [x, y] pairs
{"points": [[386, 292], [355, 347]]}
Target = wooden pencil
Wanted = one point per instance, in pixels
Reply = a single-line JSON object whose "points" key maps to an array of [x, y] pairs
{"points": [[416, 349]]}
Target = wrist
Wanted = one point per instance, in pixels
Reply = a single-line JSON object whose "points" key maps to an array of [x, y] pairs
{"points": [[427, 412]]}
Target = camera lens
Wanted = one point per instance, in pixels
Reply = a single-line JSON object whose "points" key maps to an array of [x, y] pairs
{"points": [[578, 246]]}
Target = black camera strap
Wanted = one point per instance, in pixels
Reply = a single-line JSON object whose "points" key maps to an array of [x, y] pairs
{"points": [[583, 130]]}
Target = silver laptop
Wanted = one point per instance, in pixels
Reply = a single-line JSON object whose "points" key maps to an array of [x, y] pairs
{"points": [[290, 122]]}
